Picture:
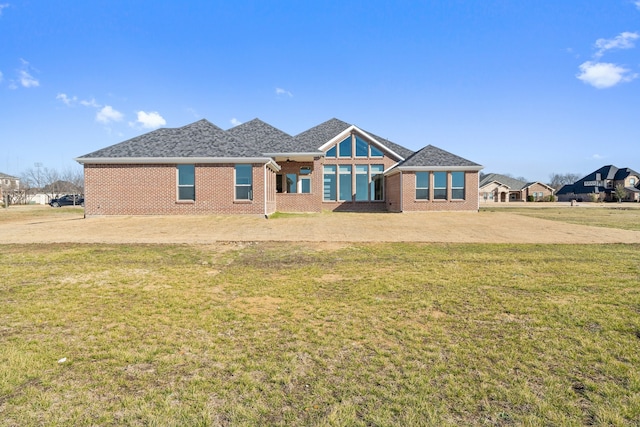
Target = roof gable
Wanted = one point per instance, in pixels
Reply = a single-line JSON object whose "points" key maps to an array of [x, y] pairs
{"points": [[262, 136]]}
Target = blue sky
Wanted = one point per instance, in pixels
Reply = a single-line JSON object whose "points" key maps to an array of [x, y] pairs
{"points": [[525, 87]]}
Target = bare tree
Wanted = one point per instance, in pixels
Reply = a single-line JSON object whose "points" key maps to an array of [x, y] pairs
{"points": [[557, 180]]}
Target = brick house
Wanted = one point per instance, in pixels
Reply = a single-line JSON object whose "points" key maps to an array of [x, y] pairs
{"points": [[601, 185], [255, 168], [496, 188]]}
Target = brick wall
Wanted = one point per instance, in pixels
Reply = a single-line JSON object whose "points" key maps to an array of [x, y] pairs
{"points": [[152, 190], [410, 204]]}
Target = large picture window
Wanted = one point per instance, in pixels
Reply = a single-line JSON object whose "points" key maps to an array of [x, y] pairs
{"points": [[422, 185], [457, 185], [186, 182], [244, 182], [440, 185], [362, 183]]}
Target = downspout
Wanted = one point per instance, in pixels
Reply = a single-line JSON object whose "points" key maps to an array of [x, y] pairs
{"points": [[401, 192], [265, 191]]}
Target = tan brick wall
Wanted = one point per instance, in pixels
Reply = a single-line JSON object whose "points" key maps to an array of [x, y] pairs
{"points": [[537, 188], [152, 190], [410, 204]]}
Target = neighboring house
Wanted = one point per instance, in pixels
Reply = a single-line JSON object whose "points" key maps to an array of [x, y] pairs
{"points": [[255, 168], [9, 186], [601, 184], [501, 189]]}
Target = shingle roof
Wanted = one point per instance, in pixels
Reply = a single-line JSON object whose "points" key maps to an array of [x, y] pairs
{"points": [[431, 156], [262, 136], [199, 139], [512, 183], [312, 139], [255, 139], [5, 176]]}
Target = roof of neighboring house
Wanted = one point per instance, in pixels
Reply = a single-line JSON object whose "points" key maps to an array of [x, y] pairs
{"points": [[512, 183], [431, 156], [256, 139], [608, 172], [5, 176]]}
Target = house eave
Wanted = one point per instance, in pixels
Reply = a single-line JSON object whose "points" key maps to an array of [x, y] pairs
{"points": [[440, 168], [176, 160]]}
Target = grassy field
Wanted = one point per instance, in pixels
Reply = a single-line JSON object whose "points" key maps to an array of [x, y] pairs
{"points": [[626, 216], [286, 334]]}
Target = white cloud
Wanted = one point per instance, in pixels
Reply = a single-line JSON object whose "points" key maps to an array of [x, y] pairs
{"points": [[637, 3], [597, 157], [235, 122], [150, 120], [602, 75], [90, 103], [2, 6], [66, 100], [107, 114], [25, 77], [622, 41], [280, 91]]}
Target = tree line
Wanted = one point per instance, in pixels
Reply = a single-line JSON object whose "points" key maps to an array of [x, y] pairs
{"points": [[42, 180]]}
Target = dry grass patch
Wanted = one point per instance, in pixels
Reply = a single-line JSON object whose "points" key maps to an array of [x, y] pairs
{"points": [[285, 334]]}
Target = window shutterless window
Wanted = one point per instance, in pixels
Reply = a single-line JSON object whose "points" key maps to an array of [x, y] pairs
{"points": [[362, 183], [362, 148], [345, 182], [377, 182], [329, 183], [292, 183], [440, 185], [457, 185], [344, 147], [186, 182], [422, 186], [244, 182]]}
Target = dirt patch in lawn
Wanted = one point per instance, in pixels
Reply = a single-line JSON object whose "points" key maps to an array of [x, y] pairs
{"points": [[328, 229]]}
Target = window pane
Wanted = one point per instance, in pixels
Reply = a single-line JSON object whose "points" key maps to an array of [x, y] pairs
{"points": [[375, 152], [329, 192], [457, 179], [305, 185], [362, 148], [243, 193], [345, 147], [279, 183], [345, 183], [422, 179], [422, 193], [186, 174], [331, 152], [377, 182], [291, 183], [243, 174], [186, 193], [362, 182]]}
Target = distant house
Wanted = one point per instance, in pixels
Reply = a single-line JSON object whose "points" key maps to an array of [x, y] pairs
{"points": [[496, 188], [9, 186], [255, 168], [601, 184]]}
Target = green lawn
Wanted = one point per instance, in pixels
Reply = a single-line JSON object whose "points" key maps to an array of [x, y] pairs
{"points": [[626, 216], [288, 334]]}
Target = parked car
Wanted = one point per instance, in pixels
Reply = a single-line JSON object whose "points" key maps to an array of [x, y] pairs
{"points": [[68, 200]]}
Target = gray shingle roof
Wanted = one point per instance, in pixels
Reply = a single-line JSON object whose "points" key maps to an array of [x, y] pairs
{"points": [[262, 136], [254, 139], [199, 139], [431, 156], [512, 183]]}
